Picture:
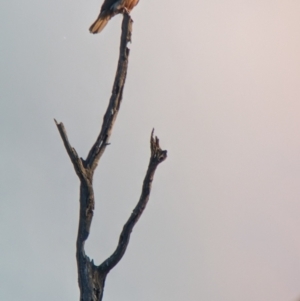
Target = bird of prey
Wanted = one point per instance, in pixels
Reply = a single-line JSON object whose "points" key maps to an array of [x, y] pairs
{"points": [[109, 9]]}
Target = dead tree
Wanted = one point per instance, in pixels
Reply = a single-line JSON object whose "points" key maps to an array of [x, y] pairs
{"points": [[91, 278]]}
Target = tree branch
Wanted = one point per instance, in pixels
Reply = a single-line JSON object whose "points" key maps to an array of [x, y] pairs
{"points": [[77, 162], [157, 156], [116, 97]]}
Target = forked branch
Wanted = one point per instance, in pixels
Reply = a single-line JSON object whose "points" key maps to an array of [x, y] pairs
{"points": [[91, 278]]}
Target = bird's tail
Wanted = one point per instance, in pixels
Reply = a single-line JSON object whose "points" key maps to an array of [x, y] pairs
{"points": [[99, 24]]}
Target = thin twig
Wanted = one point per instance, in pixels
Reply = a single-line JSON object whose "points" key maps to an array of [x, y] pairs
{"points": [[77, 162]]}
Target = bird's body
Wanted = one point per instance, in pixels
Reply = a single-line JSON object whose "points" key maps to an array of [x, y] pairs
{"points": [[109, 9]]}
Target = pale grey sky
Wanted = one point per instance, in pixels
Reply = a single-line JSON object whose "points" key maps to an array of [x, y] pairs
{"points": [[219, 81]]}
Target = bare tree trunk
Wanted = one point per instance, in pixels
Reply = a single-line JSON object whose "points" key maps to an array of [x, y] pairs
{"points": [[91, 278]]}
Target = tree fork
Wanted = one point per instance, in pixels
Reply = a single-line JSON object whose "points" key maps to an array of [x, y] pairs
{"points": [[91, 278]]}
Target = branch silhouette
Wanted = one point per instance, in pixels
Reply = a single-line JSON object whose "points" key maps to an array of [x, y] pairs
{"points": [[91, 278]]}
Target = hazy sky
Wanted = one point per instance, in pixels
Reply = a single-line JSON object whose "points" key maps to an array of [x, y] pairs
{"points": [[219, 81]]}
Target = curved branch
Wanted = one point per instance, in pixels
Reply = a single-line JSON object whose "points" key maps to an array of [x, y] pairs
{"points": [[157, 156], [116, 97]]}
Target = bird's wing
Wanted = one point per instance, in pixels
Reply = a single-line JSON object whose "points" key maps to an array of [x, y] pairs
{"points": [[107, 4]]}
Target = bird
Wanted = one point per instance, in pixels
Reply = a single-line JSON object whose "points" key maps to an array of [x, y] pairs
{"points": [[109, 9]]}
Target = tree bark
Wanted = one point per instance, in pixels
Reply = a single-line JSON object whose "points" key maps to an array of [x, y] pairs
{"points": [[91, 278]]}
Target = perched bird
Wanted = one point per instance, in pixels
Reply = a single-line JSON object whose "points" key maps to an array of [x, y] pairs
{"points": [[109, 9]]}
